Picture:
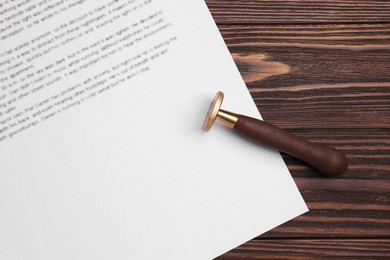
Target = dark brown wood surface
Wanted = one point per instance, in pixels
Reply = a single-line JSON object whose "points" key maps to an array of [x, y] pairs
{"points": [[321, 70]]}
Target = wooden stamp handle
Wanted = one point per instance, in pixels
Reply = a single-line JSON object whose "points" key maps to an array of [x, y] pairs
{"points": [[325, 159]]}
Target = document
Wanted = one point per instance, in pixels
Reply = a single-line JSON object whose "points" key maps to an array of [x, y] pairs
{"points": [[102, 153]]}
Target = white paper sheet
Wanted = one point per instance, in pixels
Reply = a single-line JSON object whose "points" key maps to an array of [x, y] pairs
{"points": [[101, 149]]}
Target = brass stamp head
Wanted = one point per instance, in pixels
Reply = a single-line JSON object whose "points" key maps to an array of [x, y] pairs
{"points": [[213, 111], [216, 113]]}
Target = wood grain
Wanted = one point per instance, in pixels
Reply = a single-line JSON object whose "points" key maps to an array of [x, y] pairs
{"points": [[305, 249], [299, 11], [321, 70]]}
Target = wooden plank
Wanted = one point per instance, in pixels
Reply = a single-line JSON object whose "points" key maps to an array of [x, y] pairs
{"points": [[281, 56], [311, 249], [317, 77], [299, 11], [340, 208]]}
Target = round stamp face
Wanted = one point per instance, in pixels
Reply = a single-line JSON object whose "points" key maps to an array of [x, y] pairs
{"points": [[213, 111]]}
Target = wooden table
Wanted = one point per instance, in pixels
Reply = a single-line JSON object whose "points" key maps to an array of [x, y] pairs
{"points": [[321, 70]]}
